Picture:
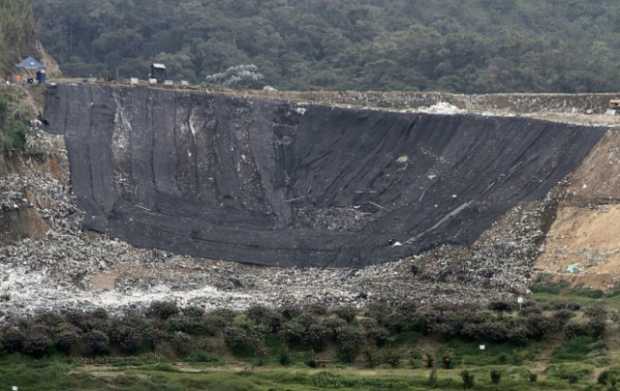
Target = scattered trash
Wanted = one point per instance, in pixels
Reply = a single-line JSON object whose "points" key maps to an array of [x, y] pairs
{"points": [[441, 108]]}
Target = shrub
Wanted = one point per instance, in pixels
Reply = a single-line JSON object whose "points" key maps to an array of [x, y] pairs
{"points": [[13, 340], [290, 312], [496, 376], [608, 378], [349, 341], [129, 340], [67, 339], [603, 378], [369, 358], [432, 378], [316, 309], [576, 329], [37, 345], [284, 357], [333, 325], [188, 324], [267, 319], [538, 326], [310, 360], [88, 321], [391, 357], [446, 361], [194, 312], [545, 284], [201, 357], [374, 332], [242, 342], [572, 373], [348, 313], [429, 361], [306, 331], [182, 343], [415, 359], [100, 313], [588, 292], [571, 378], [596, 327], [468, 379], [49, 319], [96, 343], [12, 130], [532, 377], [163, 309], [216, 321], [501, 306]]}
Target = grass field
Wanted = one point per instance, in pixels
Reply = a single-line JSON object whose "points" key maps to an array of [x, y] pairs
{"points": [[565, 366], [51, 374]]}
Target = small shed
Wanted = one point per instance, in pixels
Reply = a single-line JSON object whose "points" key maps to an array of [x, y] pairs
{"points": [[158, 72], [30, 64]]}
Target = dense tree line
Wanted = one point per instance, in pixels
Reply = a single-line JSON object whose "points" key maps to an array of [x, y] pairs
{"points": [[379, 334], [456, 45]]}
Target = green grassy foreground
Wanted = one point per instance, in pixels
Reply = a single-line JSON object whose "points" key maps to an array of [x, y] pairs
{"points": [[293, 349], [58, 374]]}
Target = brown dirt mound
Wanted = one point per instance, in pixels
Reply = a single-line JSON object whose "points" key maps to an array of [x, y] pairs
{"points": [[586, 240]]}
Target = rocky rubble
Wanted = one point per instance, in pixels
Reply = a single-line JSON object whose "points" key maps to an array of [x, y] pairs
{"points": [[503, 258], [68, 268], [83, 270]]}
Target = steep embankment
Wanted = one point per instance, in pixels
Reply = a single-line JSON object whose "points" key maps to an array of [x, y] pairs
{"points": [[271, 182]]}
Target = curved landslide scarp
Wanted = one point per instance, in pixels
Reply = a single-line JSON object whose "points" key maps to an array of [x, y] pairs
{"points": [[273, 182]]}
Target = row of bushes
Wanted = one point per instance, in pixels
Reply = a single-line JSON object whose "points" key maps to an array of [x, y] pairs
{"points": [[261, 331]]}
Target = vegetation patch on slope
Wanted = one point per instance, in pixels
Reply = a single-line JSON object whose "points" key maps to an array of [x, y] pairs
{"points": [[17, 33], [14, 119]]}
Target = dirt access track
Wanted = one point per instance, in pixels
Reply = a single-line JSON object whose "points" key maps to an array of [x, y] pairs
{"points": [[276, 182]]}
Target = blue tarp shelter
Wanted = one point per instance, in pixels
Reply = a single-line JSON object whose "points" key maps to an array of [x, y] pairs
{"points": [[30, 64]]}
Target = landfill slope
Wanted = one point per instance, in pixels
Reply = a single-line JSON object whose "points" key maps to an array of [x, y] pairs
{"points": [[273, 182]]}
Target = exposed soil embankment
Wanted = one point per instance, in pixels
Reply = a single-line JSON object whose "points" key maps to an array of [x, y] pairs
{"points": [[271, 182], [582, 244]]}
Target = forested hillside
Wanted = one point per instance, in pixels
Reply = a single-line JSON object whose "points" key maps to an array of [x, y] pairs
{"points": [[17, 36], [456, 45]]}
